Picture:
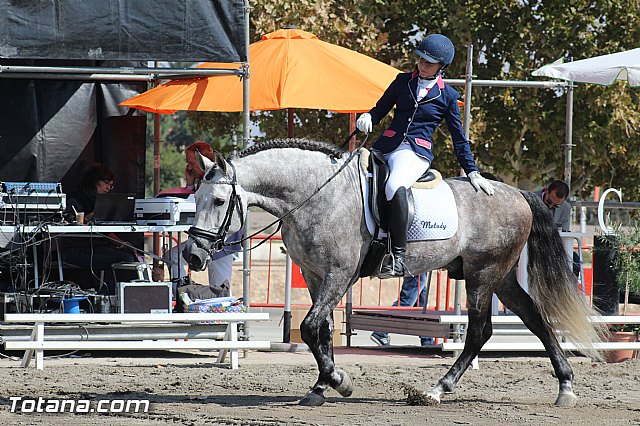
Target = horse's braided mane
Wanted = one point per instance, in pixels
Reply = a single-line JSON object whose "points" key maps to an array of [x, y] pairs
{"points": [[304, 144]]}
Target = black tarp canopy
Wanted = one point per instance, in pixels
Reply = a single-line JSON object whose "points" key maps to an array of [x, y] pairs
{"points": [[51, 129], [123, 30]]}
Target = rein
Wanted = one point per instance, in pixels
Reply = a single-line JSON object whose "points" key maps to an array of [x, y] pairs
{"points": [[234, 202]]}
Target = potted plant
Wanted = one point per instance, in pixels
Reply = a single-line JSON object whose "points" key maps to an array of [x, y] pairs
{"points": [[622, 333], [626, 264]]}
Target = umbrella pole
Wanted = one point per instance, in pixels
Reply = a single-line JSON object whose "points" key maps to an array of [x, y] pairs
{"points": [[286, 328], [156, 188], [352, 128], [348, 311], [290, 130]]}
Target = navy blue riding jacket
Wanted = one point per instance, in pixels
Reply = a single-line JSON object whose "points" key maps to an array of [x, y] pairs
{"points": [[416, 121]]}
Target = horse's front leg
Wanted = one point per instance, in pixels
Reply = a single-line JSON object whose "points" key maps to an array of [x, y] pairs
{"points": [[317, 331]]}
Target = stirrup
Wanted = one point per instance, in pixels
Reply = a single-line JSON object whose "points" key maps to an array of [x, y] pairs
{"points": [[391, 266]]}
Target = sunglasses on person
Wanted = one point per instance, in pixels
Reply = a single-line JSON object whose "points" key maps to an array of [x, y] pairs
{"points": [[548, 202]]}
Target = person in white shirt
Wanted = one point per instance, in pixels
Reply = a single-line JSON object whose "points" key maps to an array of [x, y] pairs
{"points": [[220, 264]]}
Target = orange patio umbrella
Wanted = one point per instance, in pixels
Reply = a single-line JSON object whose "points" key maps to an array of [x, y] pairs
{"points": [[289, 68]]}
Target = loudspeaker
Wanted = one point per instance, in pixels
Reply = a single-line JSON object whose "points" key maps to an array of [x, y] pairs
{"points": [[144, 297]]}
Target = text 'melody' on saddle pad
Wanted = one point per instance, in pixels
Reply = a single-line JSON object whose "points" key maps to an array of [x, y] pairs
{"points": [[436, 215], [113, 208]]}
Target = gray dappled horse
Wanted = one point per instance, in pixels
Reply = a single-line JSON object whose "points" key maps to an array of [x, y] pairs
{"points": [[328, 238]]}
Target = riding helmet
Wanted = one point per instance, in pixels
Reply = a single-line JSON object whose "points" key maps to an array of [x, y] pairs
{"points": [[437, 48]]}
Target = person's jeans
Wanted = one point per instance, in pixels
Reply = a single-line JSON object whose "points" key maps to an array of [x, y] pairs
{"points": [[409, 297], [576, 264]]}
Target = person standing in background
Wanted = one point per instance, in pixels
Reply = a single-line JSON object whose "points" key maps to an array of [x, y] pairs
{"points": [[219, 266]]}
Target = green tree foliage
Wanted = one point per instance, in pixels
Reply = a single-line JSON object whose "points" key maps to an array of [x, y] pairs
{"points": [[177, 132], [174, 136], [172, 167], [174, 129], [517, 133]]}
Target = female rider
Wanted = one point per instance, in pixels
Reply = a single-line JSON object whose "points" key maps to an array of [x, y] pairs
{"points": [[422, 101]]}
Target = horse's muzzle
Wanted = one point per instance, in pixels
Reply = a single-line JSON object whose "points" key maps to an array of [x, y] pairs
{"points": [[195, 256]]}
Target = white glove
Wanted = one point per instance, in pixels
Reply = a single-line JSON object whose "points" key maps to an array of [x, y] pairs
{"points": [[479, 182], [364, 123]]}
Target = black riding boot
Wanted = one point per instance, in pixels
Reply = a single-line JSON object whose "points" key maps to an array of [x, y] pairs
{"points": [[393, 264]]}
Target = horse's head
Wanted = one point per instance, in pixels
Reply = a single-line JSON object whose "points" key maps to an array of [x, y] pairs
{"points": [[219, 211]]}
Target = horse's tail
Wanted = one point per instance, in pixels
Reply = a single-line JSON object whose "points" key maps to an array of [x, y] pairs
{"points": [[553, 286]]}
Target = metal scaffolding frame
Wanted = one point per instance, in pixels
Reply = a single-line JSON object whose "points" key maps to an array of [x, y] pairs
{"points": [[154, 75], [151, 75], [567, 87]]}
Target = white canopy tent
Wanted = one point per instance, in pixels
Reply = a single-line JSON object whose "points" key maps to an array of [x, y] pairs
{"points": [[603, 70]]}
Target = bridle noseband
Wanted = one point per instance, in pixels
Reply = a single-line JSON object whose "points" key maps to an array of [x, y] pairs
{"points": [[217, 239]]}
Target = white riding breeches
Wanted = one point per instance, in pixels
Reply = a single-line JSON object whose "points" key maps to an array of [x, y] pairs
{"points": [[405, 167]]}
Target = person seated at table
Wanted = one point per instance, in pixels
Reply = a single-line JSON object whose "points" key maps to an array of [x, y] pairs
{"points": [[92, 252], [219, 266]]}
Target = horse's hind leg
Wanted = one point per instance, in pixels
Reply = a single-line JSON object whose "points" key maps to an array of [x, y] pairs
{"points": [[519, 302], [317, 330], [478, 332]]}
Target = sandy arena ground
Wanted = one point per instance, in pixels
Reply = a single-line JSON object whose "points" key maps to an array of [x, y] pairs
{"points": [[190, 389]]}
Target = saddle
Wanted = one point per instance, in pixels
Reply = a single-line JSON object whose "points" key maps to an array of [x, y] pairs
{"points": [[377, 174]]}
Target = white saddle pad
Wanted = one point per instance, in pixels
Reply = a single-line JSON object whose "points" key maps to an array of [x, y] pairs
{"points": [[436, 214]]}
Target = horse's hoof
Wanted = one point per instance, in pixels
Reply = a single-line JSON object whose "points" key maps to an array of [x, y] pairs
{"points": [[345, 388], [417, 397], [312, 399], [566, 399]]}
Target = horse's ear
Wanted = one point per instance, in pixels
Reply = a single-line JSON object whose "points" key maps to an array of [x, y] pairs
{"points": [[203, 162], [221, 162]]}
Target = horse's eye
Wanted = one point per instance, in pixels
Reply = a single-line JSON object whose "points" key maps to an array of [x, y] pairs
{"points": [[218, 202]]}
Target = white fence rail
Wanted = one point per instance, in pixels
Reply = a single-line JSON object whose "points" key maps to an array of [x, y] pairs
{"points": [[37, 344]]}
